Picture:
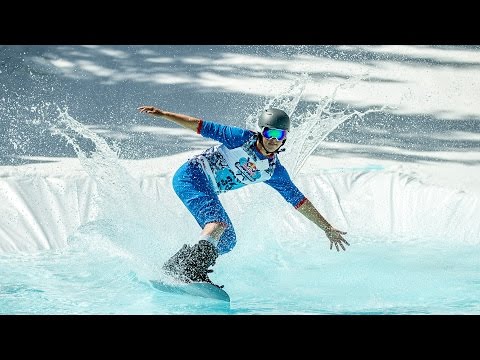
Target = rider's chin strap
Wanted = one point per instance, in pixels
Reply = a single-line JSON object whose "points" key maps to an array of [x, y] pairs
{"points": [[271, 152]]}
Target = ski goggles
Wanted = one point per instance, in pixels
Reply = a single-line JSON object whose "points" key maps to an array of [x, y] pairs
{"points": [[278, 134]]}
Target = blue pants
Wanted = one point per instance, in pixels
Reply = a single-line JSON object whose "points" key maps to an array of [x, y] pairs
{"points": [[196, 192]]}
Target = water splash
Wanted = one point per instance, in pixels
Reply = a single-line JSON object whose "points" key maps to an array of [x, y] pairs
{"points": [[102, 163], [310, 127], [126, 215]]}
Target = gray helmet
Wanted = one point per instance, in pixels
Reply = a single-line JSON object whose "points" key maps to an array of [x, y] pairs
{"points": [[274, 118]]}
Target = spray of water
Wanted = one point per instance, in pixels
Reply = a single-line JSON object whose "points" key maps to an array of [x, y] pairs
{"points": [[116, 185], [127, 216], [310, 127]]}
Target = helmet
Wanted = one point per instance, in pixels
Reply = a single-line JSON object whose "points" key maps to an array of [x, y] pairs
{"points": [[274, 118]]}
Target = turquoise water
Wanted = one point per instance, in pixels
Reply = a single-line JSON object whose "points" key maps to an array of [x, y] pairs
{"points": [[416, 277]]}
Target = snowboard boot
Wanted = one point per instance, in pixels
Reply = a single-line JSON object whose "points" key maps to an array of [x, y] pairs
{"points": [[191, 263]]}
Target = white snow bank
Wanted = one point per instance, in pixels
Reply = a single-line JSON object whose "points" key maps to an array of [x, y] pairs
{"points": [[41, 205]]}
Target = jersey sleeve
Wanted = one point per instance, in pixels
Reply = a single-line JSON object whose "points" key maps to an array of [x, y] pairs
{"points": [[281, 182], [231, 136]]}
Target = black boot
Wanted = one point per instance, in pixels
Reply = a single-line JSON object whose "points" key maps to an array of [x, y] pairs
{"points": [[191, 263]]}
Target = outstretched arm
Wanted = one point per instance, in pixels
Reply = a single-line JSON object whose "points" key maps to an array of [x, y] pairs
{"points": [[186, 121], [311, 213]]}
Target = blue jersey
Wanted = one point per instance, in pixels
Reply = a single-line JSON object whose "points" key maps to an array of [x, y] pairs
{"points": [[238, 162]]}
